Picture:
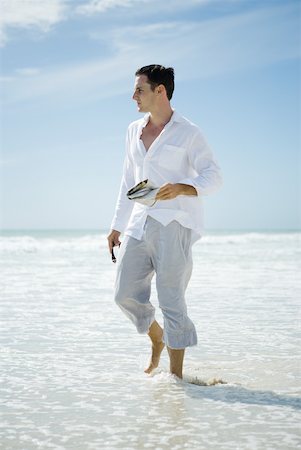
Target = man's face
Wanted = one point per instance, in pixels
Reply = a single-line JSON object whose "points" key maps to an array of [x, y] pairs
{"points": [[143, 94]]}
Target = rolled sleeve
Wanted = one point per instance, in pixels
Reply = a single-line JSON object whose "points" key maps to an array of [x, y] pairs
{"points": [[124, 206], [209, 178]]}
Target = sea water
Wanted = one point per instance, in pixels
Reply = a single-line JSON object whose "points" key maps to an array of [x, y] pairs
{"points": [[72, 364]]}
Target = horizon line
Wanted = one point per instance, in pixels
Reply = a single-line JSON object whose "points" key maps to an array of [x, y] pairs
{"points": [[108, 229]]}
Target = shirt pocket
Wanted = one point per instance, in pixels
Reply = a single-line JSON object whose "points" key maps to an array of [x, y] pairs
{"points": [[172, 157]]}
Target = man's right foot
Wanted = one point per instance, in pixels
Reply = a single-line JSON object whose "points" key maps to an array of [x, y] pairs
{"points": [[157, 348]]}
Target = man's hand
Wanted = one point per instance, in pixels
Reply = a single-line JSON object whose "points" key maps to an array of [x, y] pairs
{"points": [[113, 239], [169, 191]]}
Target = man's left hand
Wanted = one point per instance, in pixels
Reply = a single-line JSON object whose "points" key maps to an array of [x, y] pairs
{"points": [[169, 191]]}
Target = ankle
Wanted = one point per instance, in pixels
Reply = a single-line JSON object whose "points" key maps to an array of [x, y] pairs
{"points": [[177, 373], [157, 342]]}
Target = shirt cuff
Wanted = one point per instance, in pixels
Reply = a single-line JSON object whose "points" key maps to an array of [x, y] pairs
{"points": [[118, 226]]}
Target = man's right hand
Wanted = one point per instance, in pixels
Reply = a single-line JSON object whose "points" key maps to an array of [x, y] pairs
{"points": [[113, 239]]}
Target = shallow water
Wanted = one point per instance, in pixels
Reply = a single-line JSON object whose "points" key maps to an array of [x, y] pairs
{"points": [[72, 365]]}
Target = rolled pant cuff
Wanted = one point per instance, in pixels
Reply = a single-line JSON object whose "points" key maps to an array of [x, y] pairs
{"points": [[144, 324], [180, 340]]}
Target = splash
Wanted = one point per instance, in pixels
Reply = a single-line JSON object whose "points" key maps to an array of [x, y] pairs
{"points": [[200, 382], [160, 375]]}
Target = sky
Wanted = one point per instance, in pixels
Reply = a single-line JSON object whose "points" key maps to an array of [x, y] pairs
{"points": [[67, 77]]}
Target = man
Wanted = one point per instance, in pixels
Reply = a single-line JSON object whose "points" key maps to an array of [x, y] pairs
{"points": [[171, 152]]}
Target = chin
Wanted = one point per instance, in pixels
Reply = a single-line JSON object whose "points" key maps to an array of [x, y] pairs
{"points": [[140, 108]]}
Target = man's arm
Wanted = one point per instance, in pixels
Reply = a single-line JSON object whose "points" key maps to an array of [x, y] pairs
{"points": [[209, 177], [124, 206], [169, 191]]}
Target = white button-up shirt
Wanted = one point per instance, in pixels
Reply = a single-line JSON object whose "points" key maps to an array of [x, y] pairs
{"points": [[179, 154]]}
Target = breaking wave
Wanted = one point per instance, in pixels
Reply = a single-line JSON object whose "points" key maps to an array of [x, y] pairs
{"points": [[30, 243]]}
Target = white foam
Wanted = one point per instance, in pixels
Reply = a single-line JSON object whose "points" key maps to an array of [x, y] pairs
{"points": [[70, 355], [30, 244], [251, 237], [95, 242]]}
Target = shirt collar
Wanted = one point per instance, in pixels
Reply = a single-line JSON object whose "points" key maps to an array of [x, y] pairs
{"points": [[176, 117]]}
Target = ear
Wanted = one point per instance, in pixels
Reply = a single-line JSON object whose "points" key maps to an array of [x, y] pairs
{"points": [[161, 88]]}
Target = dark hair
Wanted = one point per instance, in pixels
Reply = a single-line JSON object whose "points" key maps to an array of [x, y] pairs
{"points": [[158, 74]]}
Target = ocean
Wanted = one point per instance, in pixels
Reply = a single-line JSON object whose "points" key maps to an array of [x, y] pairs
{"points": [[72, 364]]}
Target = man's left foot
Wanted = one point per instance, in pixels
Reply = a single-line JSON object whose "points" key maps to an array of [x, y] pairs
{"points": [[155, 358]]}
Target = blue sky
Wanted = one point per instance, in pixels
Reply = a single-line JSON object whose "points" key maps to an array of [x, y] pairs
{"points": [[67, 75]]}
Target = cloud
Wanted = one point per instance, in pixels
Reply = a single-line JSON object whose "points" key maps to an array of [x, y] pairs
{"points": [[101, 6], [7, 79], [42, 15], [28, 71], [141, 7], [29, 14], [9, 161], [196, 50]]}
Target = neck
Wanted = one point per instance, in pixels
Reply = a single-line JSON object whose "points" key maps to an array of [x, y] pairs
{"points": [[161, 116]]}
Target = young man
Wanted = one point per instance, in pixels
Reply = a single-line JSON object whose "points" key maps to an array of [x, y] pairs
{"points": [[171, 152]]}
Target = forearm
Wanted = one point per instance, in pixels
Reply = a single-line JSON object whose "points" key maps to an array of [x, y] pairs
{"points": [[186, 189], [172, 190], [208, 177], [124, 206], [122, 213]]}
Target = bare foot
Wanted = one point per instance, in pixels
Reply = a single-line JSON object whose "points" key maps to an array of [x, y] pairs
{"points": [[157, 348]]}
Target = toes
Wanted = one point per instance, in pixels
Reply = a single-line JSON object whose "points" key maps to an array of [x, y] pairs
{"points": [[149, 369], [155, 358]]}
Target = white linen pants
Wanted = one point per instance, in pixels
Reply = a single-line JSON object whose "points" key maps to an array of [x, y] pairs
{"points": [[166, 251]]}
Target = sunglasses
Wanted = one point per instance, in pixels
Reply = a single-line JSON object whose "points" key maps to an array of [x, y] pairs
{"points": [[113, 255]]}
